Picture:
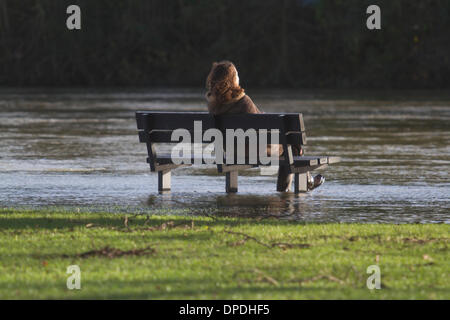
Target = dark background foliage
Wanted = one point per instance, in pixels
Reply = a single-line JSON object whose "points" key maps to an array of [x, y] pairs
{"points": [[278, 43]]}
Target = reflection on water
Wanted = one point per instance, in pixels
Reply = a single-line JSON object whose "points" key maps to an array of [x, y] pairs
{"points": [[80, 149]]}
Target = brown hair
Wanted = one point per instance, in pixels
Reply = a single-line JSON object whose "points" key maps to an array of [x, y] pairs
{"points": [[221, 82]]}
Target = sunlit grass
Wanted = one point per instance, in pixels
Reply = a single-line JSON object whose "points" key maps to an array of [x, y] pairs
{"points": [[210, 258]]}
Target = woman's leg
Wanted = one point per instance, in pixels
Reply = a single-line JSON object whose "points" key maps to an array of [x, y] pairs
{"points": [[284, 180]]}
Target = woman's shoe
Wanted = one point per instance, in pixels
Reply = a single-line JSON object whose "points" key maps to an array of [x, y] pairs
{"points": [[317, 182]]}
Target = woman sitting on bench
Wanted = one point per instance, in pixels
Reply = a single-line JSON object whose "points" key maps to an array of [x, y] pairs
{"points": [[225, 96]]}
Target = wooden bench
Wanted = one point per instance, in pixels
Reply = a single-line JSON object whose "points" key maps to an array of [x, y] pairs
{"points": [[157, 128]]}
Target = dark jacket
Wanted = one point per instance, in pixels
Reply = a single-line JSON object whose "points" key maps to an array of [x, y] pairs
{"points": [[242, 104]]}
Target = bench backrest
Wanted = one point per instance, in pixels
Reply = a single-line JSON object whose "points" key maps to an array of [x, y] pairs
{"points": [[157, 127]]}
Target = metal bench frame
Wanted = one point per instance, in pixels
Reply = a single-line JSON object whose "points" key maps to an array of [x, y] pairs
{"points": [[157, 127]]}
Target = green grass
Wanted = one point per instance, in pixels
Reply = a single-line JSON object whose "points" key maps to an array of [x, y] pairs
{"points": [[206, 258]]}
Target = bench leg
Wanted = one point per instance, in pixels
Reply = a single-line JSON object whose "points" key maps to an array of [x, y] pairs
{"points": [[301, 182], [164, 180], [231, 182]]}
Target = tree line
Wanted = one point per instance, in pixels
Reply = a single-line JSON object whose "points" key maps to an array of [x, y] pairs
{"points": [[274, 43]]}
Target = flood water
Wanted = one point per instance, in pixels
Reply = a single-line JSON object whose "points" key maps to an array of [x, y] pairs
{"points": [[80, 149]]}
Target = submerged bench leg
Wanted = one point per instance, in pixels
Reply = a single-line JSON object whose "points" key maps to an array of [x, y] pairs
{"points": [[301, 182], [231, 182], [164, 180]]}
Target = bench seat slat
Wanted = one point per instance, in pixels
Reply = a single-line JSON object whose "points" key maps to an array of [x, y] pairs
{"points": [[298, 161], [305, 161], [332, 160], [310, 160], [167, 159]]}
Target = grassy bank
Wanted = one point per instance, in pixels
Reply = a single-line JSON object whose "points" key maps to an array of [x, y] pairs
{"points": [[168, 257]]}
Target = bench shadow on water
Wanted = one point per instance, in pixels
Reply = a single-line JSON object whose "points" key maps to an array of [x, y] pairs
{"points": [[333, 202], [77, 149], [238, 205]]}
